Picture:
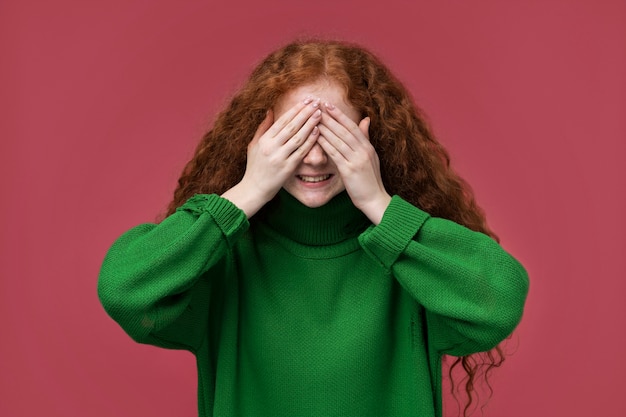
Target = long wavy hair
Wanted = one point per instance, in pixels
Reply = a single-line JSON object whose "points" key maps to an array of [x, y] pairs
{"points": [[414, 165]]}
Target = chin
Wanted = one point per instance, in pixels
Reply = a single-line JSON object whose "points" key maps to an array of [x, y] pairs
{"points": [[313, 199], [314, 202]]}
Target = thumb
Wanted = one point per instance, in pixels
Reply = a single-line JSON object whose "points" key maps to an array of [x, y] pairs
{"points": [[264, 126], [364, 125]]}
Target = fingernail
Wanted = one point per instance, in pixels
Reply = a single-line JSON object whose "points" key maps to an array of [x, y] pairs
{"points": [[308, 99], [317, 113], [316, 103], [315, 130], [329, 106]]}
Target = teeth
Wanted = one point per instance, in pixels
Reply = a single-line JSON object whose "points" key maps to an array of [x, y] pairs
{"points": [[314, 179]]}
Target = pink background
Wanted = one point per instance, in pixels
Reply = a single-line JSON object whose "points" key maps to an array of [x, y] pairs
{"points": [[103, 102]]}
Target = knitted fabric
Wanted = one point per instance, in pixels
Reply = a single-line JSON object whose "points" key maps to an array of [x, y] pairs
{"points": [[313, 312]]}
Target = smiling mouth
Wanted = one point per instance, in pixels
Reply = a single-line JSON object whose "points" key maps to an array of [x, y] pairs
{"points": [[318, 178]]}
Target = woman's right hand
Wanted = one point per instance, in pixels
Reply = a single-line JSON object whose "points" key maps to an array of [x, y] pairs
{"points": [[274, 153]]}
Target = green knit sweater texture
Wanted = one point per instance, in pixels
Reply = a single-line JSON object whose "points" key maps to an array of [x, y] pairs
{"points": [[313, 312]]}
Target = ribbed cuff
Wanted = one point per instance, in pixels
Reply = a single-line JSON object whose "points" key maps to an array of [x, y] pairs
{"points": [[399, 225], [229, 218]]}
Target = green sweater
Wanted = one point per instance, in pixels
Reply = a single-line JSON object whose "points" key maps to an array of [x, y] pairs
{"points": [[313, 312]]}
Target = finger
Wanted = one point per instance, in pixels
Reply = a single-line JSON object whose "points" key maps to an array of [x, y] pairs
{"points": [[343, 125], [299, 137], [337, 157], [300, 152], [294, 126], [338, 144], [292, 120]]}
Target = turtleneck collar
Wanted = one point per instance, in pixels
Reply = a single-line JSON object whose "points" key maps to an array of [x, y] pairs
{"points": [[334, 222]]}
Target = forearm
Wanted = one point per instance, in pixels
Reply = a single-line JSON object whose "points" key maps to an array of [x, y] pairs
{"points": [[468, 284], [146, 278]]}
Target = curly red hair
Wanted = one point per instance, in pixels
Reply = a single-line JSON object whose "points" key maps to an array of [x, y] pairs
{"points": [[414, 165]]}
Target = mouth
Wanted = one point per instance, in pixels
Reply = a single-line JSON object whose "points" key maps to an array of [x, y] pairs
{"points": [[314, 179]]}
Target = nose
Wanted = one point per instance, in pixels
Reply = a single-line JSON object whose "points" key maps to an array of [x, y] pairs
{"points": [[316, 156]]}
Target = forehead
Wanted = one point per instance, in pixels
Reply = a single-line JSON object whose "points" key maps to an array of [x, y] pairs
{"points": [[326, 90], [323, 87]]}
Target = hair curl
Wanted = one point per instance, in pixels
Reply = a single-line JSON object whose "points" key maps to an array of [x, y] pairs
{"points": [[414, 165]]}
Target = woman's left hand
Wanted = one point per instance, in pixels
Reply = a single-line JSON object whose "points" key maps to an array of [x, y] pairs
{"points": [[349, 147]]}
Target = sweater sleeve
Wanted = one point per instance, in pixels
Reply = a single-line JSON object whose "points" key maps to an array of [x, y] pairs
{"points": [[473, 291], [152, 274]]}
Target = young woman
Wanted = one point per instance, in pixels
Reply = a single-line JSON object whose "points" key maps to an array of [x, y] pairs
{"points": [[319, 256]]}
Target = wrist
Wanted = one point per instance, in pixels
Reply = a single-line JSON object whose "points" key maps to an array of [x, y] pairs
{"points": [[246, 197], [375, 209]]}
